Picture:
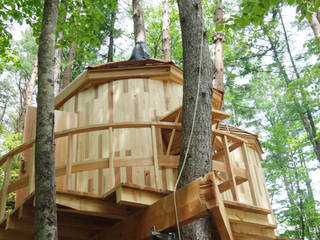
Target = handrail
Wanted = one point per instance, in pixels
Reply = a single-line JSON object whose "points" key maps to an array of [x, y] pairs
{"points": [[92, 128], [23, 182], [100, 127]]}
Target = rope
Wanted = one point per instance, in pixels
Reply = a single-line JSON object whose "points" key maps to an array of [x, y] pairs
{"points": [[190, 137]]}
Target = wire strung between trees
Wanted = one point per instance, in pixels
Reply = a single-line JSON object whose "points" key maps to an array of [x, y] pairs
{"points": [[190, 137]]}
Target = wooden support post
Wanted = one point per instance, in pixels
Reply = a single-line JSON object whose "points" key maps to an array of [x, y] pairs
{"points": [[230, 169], [111, 163], [249, 173], [219, 214], [4, 193], [68, 178], [31, 170], [172, 135], [155, 157]]}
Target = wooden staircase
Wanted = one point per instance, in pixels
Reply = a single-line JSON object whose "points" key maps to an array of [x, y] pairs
{"points": [[248, 222]]}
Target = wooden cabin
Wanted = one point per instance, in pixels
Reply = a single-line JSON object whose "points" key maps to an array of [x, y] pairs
{"points": [[117, 146]]}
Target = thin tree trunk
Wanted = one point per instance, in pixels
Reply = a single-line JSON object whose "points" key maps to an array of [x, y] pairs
{"points": [[57, 66], [138, 22], [198, 159], [28, 94], [166, 45], [218, 39], [315, 25], [307, 122], [3, 112], [45, 185], [111, 36], [68, 69]]}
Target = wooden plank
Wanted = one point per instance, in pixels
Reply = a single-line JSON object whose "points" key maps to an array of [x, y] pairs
{"points": [[111, 163], [172, 134], [246, 207], [219, 214], [92, 206], [135, 197], [191, 204], [4, 193], [229, 168], [105, 126], [15, 151], [67, 185], [249, 174], [228, 184], [155, 158], [230, 136], [31, 180]]}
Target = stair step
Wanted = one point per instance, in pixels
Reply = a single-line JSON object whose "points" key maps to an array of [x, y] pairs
{"points": [[246, 207], [244, 236], [236, 215], [265, 231]]}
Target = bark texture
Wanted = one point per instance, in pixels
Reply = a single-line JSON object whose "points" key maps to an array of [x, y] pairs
{"points": [[166, 51], [68, 69], [45, 189], [315, 25], [198, 161], [57, 66], [218, 39], [28, 94], [138, 21], [111, 37]]}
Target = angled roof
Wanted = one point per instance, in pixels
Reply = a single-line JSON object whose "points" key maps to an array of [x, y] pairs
{"points": [[98, 74]]}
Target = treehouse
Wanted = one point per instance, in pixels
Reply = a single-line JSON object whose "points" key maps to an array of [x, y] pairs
{"points": [[117, 146]]}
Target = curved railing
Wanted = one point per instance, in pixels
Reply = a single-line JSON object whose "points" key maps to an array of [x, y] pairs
{"points": [[110, 162]]}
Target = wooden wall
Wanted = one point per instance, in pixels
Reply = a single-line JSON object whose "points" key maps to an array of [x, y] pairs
{"points": [[128, 100]]}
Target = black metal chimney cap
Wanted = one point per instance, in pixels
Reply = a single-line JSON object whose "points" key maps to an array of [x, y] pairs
{"points": [[140, 52]]}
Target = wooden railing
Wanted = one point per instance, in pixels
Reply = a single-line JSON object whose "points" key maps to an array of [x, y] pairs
{"points": [[235, 174]]}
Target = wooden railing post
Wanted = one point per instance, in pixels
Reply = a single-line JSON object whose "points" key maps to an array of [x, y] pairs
{"points": [[68, 177], [4, 193], [155, 157], [249, 173], [111, 163], [172, 135], [230, 169], [31, 171]]}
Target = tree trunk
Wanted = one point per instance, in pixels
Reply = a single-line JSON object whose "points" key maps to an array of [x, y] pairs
{"points": [[68, 69], [315, 25], [45, 187], [111, 36], [57, 66], [138, 22], [218, 39], [166, 30], [28, 94], [198, 160]]}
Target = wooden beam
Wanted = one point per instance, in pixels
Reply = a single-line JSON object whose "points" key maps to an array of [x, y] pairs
{"points": [[4, 193], [155, 158], [249, 174], [228, 184], [111, 163], [31, 180], [68, 176], [9, 234], [92, 206], [230, 136], [172, 135], [192, 203], [136, 197], [230, 174], [219, 214]]}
